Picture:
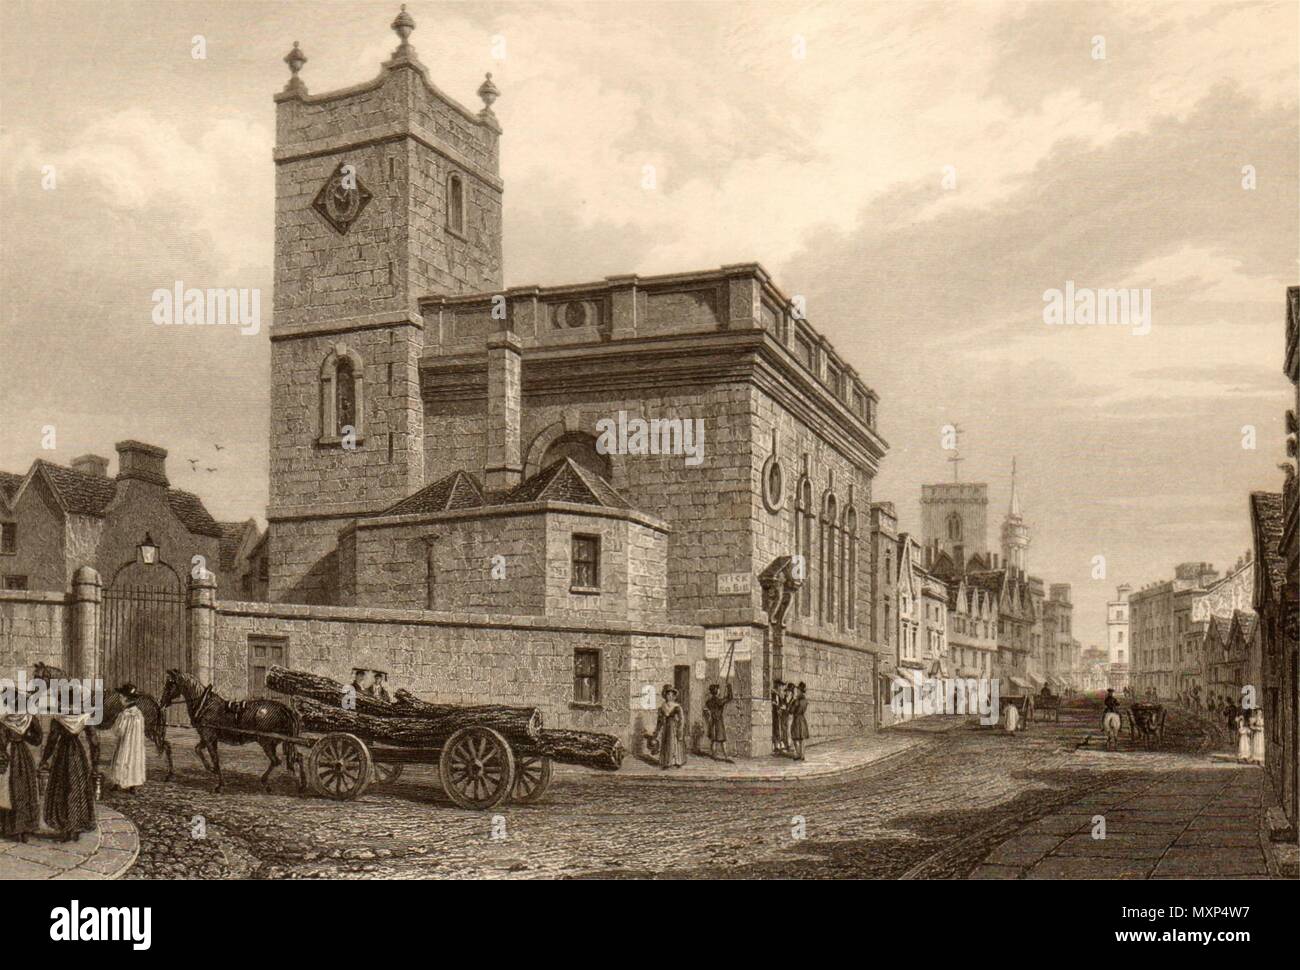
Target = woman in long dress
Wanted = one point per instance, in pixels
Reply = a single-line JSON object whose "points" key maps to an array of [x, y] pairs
{"points": [[127, 770], [20, 795], [670, 730], [70, 795], [1243, 736], [1257, 736]]}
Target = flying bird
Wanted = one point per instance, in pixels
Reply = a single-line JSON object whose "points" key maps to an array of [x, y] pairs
{"points": [[211, 469], [194, 464], [218, 447]]}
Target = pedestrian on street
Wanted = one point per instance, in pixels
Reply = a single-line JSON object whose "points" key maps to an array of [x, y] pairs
{"points": [[1243, 736], [127, 770], [670, 730], [778, 705], [1257, 736], [787, 711], [20, 793], [715, 708], [70, 793], [799, 721], [1230, 718], [1011, 718]]}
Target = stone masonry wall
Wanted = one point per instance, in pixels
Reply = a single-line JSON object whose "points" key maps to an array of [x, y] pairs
{"points": [[841, 682], [456, 658], [34, 628]]}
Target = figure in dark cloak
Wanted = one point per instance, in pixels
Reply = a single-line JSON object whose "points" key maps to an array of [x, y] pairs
{"points": [[70, 793], [20, 794]]}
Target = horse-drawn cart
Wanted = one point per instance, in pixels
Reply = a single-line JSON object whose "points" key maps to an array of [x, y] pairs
{"points": [[1048, 705], [478, 767], [340, 741]]}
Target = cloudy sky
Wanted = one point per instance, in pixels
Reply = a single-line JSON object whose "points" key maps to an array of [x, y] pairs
{"points": [[920, 173]]}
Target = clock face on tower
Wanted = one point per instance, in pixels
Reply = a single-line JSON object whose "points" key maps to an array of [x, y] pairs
{"points": [[342, 198]]}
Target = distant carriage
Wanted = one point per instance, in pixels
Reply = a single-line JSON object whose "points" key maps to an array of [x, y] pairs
{"points": [[1047, 705], [1147, 721]]}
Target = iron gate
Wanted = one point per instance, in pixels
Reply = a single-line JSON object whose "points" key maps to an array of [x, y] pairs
{"points": [[143, 630]]}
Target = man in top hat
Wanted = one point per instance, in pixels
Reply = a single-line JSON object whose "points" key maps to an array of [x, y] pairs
{"points": [[778, 708], [127, 770], [799, 720]]}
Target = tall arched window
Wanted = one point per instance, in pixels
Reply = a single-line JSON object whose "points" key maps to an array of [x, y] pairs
{"points": [[954, 527], [851, 546], [826, 604], [345, 398], [342, 395], [455, 203], [805, 514]]}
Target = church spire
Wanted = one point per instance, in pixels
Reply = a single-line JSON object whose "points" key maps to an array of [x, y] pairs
{"points": [[1014, 511], [1015, 534]]}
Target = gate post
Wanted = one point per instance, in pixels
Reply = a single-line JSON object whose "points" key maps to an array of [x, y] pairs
{"points": [[87, 597], [201, 612]]}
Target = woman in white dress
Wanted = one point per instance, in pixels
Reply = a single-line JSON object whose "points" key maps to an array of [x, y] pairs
{"points": [[127, 770], [1243, 736], [1257, 736]]}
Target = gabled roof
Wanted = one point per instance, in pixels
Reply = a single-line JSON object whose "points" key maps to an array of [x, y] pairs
{"points": [[81, 494], [1266, 512], [9, 484], [459, 490], [1217, 630], [565, 481]]}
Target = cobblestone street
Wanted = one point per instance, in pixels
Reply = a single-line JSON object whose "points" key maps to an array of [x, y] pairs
{"points": [[936, 812]]}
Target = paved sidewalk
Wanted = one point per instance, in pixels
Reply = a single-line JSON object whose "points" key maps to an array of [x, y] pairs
{"points": [[1202, 822], [103, 854], [826, 762]]}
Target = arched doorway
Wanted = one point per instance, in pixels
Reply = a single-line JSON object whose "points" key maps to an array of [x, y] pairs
{"points": [[143, 629]]}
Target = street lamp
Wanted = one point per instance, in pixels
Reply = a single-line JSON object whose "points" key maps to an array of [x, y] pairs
{"points": [[148, 550]]}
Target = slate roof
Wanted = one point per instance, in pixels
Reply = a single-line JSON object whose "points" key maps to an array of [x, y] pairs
{"points": [[459, 490], [232, 533], [1266, 510], [84, 494], [565, 481], [9, 483]]}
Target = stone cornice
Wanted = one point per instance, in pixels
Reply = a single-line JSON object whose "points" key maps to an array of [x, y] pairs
{"points": [[510, 511], [345, 325]]}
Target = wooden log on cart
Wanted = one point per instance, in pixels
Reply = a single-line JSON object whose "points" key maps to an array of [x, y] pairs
{"points": [[440, 720], [585, 748], [414, 732]]}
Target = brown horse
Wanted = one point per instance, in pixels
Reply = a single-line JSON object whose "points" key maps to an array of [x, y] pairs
{"points": [[155, 724], [235, 722]]}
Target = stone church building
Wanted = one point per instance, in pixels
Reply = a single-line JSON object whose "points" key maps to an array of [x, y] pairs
{"points": [[434, 434]]}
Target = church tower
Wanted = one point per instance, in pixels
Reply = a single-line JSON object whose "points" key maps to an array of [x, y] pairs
{"points": [[1015, 534], [385, 192], [954, 518]]}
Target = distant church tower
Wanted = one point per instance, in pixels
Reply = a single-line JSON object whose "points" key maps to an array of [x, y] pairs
{"points": [[385, 192], [1015, 534], [954, 516]]}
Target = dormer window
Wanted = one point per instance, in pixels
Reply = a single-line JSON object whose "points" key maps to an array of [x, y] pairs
{"points": [[456, 204]]}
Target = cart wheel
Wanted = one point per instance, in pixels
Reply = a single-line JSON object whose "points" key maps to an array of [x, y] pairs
{"points": [[532, 778], [339, 766], [477, 768], [386, 773]]}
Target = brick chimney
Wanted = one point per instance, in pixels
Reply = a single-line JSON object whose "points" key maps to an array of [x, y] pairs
{"points": [[91, 465], [147, 463], [504, 466]]}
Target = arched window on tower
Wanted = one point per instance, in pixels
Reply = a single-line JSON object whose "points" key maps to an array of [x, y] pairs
{"points": [[455, 203], [954, 527], [342, 396]]}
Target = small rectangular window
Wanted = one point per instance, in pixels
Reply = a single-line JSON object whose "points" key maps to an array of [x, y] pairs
{"points": [[586, 677], [9, 538], [15, 582], [586, 562]]}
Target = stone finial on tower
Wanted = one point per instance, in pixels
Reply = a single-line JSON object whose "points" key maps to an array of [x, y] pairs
{"points": [[489, 93], [295, 59], [402, 25]]}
